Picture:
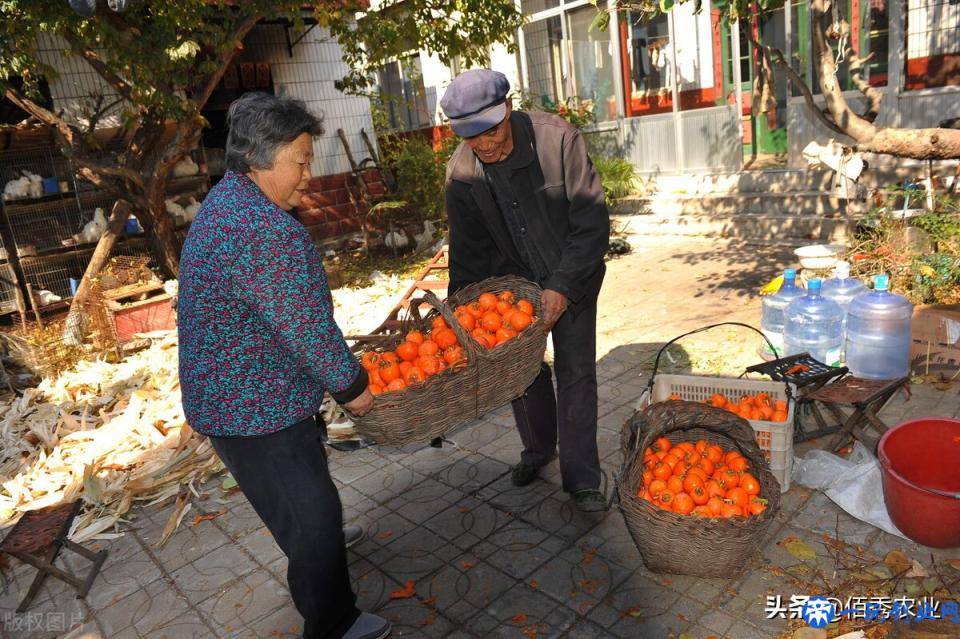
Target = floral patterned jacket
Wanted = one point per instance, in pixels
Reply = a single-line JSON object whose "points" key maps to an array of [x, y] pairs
{"points": [[258, 342]]}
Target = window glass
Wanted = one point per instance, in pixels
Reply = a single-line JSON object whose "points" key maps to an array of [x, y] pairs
{"points": [[402, 94], [933, 43], [591, 64], [650, 70], [529, 7], [542, 41]]}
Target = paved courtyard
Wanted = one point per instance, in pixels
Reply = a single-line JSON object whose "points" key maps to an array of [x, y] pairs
{"points": [[486, 558]]}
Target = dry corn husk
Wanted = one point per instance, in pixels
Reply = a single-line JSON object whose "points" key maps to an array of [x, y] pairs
{"points": [[110, 434]]}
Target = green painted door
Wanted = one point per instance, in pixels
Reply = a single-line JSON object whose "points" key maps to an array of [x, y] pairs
{"points": [[760, 132]]}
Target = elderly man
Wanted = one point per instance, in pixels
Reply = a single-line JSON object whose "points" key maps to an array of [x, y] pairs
{"points": [[524, 199], [258, 348]]}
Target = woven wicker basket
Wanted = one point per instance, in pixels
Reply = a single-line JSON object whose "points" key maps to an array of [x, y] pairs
{"points": [[420, 413], [683, 544], [507, 370], [489, 378]]}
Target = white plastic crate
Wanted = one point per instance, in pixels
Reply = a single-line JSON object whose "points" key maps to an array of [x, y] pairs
{"points": [[774, 438]]}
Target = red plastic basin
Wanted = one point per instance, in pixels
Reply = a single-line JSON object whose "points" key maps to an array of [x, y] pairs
{"points": [[920, 465]]}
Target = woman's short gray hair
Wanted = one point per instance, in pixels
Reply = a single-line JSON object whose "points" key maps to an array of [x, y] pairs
{"points": [[260, 124]]}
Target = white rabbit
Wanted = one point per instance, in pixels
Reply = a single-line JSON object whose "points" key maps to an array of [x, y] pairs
{"points": [[185, 167]]}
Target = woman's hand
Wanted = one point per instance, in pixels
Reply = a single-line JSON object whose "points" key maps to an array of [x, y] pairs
{"points": [[361, 405], [553, 304]]}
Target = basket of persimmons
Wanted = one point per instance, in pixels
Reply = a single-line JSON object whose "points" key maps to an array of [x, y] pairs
{"points": [[695, 489], [475, 351]]}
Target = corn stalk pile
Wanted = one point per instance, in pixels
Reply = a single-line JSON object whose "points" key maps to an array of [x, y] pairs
{"points": [[110, 434]]}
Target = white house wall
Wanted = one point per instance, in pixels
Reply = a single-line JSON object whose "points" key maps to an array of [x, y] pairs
{"points": [[309, 75]]}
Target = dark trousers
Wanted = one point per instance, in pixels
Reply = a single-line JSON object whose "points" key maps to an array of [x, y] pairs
{"points": [[285, 477], [571, 413]]}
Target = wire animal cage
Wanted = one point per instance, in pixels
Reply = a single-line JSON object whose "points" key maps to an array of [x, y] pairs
{"points": [[54, 272], [8, 289]]}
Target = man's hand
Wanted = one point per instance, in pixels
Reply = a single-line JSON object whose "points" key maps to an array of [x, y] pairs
{"points": [[361, 405], [553, 304]]}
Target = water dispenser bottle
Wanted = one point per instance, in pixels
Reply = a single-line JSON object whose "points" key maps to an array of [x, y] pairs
{"points": [[841, 288], [878, 333], [771, 321], [814, 324]]}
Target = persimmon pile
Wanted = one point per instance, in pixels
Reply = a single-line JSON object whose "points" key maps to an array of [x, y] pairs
{"points": [[700, 479], [417, 358], [492, 319], [758, 407]]}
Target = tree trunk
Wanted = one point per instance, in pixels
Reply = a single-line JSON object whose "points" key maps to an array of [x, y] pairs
{"points": [[919, 144], [160, 228], [73, 330]]}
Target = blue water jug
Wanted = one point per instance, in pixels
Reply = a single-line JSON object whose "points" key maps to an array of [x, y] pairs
{"points": [[878, 333], [814, 324], [771, 320]]}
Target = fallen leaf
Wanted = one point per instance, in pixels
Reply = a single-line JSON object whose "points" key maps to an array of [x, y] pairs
{"points": [[898, 562], [386, 534], [917, 570], [430, 601], [228, 483], [409, 589], [428, 620], [799, 549], [467, 565], [530, 632], [536, 584], [519, 619], [207, 517], [588, 586], [464, 509]]}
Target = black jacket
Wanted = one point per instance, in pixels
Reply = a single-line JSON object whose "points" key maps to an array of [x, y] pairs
{"points": [[560, 197]]}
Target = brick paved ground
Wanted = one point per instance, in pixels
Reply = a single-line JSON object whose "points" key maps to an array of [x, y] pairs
{"points": [[487, 559]]}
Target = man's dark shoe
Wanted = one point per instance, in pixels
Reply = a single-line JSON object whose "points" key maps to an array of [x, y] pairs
{"points": [[352, 535], [369, 626], [523, 474], [589, 500]]}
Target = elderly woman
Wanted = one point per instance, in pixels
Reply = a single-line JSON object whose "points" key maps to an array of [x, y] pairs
{"points": [[259, 347]]}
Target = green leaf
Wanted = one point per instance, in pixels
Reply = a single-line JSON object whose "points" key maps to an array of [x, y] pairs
{"points": [[666, 5], [228, 482], [800, 549], [601, 21]]}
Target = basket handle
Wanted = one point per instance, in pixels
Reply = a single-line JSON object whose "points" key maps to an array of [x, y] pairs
{"points": [[739, 431], [656, 363]]}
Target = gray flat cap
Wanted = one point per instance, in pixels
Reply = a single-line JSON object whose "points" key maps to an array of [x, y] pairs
{"points": [[475, 101]]}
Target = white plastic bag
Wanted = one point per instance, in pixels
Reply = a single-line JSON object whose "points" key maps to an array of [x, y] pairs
{"points": [[854, 484]]}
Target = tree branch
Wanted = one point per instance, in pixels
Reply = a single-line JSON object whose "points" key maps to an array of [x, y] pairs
{"points": [[66, 130], [874, 97], [852, 124], [798, 82], [100, 66], [206, 86]]}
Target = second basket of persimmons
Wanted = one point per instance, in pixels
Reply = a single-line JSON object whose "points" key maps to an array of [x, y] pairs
{"points": [[700, 479]]}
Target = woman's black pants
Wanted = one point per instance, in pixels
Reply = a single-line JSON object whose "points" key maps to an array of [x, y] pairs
{"points": [[285, 477]]}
